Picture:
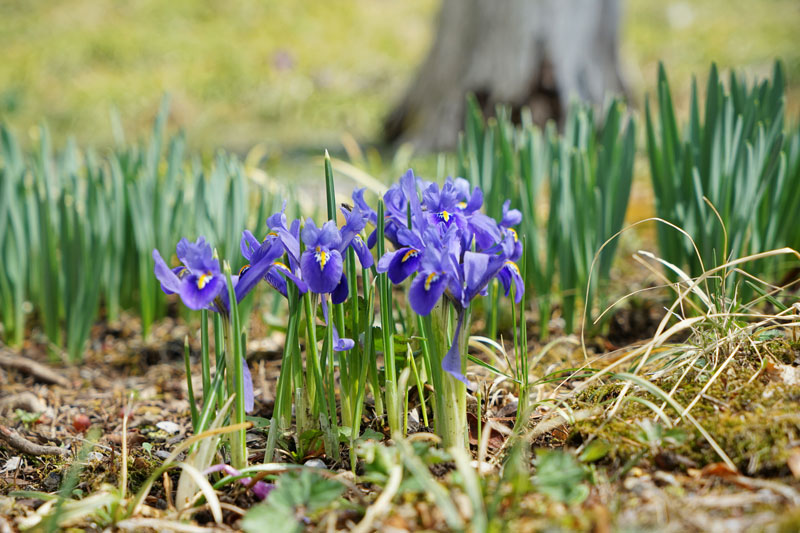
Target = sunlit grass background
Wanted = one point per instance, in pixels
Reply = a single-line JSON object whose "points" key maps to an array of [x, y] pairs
{"points": [[299, 74]]}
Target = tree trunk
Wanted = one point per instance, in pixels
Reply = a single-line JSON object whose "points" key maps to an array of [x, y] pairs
{"points": [[535, 53]]}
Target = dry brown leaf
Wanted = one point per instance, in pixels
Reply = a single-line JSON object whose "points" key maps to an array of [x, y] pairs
{"points": [[787, 374], [718, 470], [794, 462]]}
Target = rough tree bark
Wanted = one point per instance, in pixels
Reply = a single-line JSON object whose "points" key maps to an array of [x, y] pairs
{"points": [[536, 53]]}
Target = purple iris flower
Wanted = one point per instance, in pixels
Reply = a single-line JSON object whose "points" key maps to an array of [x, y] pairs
{"points": [[366, 209], [404, 261], [198, 281], [200, 284], [321, 262], [355, 222], [453, 204], [441, 205], [437, 272], [479, 270], [512, 217], [398, 200], [510, 275], [395, 214], [453, 248], [278, 271]]}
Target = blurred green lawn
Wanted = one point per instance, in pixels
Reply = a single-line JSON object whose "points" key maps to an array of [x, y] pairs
{"points": [[301, 73]]}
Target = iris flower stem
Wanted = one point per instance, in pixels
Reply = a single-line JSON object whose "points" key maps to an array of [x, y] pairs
{"points": [[205, 363], [521, 356], [219, 351], [420, 389], [344, 360], [367, 354], [319, 401], [369, 348], [207, 413], [313, 371], [432, 343], [338, 313], [333, 426], [387, 329], [189, 386], [494, 306], [451, 394], [282, 415], [235, 360], [285, 388], [426, 360], [301, 419], [353, 357]]}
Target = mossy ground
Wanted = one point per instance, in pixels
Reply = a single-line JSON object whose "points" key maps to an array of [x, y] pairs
{"points": [[752, 414]]}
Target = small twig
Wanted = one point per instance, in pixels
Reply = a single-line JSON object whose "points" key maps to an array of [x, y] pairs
{"points": [[9, 359], [13, 439], [26, 401], [558, 419]]}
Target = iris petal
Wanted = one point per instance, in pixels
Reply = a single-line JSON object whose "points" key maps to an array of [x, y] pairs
{"points": [[278, 220], [170, 283], [426, 290], [249, 399], [248, 244], [486, 230], [355, 221], [276, 281], [479, 269], [279, 269], [341, 292], [197, 256], [321, 278], [511, 217], [328, 237], [452, 361], [510, 275], [257, 270], [200, 295], [362, 252], [404, 263]]}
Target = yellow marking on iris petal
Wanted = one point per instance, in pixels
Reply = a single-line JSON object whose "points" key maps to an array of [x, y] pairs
{"points": [[203, 280], [513, 266], [322, 257], [462, 205], [433, 276], [408, 255], [445, 215], [281, 265], [514, 234], [244, 269]]}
